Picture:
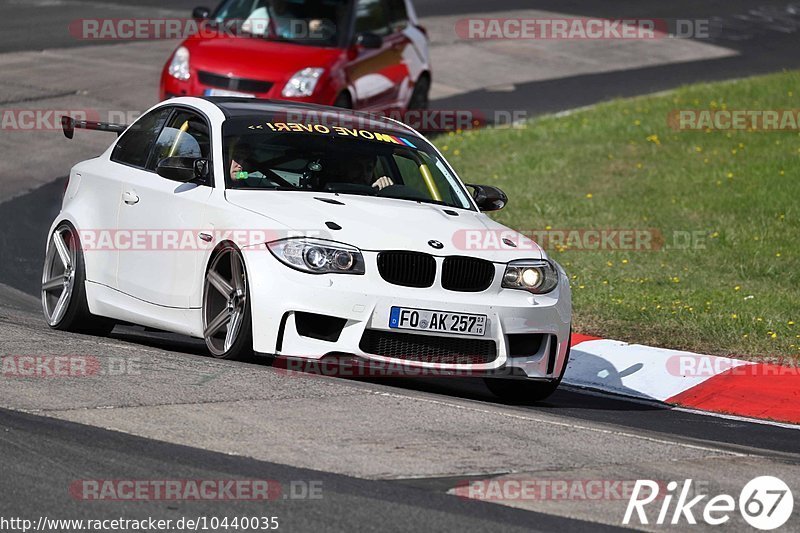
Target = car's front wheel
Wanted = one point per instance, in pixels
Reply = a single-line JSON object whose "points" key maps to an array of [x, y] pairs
{"points": [[64, 286], [523, 391], [227, 326]]}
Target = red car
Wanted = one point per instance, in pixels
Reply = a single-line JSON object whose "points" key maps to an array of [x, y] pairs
{"points": [[360, 54]]}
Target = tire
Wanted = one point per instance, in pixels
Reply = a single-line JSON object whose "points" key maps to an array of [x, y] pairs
{"points": [[226, 303], [523, 391], [63, 291], [344, 101], [420, 98]]}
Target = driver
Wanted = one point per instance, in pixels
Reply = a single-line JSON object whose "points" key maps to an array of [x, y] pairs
{"points": [[286, 22], [361, 170], [241, 168], [358, 170], [237, 172], [238, 162]]}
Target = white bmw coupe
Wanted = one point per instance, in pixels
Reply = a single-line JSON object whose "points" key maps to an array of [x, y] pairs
{"points": [[303, 231]]}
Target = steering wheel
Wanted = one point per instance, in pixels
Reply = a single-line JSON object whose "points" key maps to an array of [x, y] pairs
{"points": [[398, 189], [275, 178]]}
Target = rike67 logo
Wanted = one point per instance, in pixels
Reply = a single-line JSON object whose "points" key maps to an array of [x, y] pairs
{"points": [[765, 503]]}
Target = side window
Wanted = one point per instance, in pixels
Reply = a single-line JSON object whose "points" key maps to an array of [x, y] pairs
{"points": [[133, 148], [185, 135], [371, 17], [398, 15], [443, 179]]}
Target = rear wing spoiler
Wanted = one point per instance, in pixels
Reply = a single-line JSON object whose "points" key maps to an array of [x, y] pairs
{"points": [[68, 124]]}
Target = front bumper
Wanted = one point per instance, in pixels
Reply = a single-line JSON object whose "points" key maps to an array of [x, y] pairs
{"points": [[279, 293], [172, 88]]}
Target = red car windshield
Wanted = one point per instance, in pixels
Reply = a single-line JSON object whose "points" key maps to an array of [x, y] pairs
{"points": [[312, 22]]}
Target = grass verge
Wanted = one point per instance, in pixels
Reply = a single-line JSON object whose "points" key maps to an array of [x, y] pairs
{"points": [[725, 278]]}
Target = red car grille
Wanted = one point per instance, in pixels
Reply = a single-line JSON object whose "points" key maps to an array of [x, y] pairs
{"points": [[234, 84]]}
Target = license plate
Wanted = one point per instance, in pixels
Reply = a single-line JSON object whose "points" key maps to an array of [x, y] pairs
{"points": [[225, 92], [438, 321]]}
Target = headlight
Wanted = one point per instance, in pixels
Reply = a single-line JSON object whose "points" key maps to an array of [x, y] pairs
{"points": [[536, 276], [303, 83], [317, 256], [179, 66]]}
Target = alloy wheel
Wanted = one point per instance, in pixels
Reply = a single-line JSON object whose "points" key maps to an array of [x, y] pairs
{"points": [[58, 278], [224, 301]]}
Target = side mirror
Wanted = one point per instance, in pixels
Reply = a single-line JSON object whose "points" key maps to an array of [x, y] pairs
{"points": [[201, 13], [369, 40], [488, 198], [183, 169]]}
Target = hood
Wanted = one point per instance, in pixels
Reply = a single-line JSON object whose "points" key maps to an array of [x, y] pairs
{"points": [[256, 58], [374, 224]]}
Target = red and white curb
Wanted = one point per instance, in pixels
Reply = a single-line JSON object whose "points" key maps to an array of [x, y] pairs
{"points": [[702, 382]]}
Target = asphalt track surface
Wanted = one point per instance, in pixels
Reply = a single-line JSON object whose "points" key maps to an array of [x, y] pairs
{"points": [[43, 452], [65, 451]]}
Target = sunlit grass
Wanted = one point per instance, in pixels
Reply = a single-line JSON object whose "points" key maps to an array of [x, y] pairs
{"points": [[619, 165]]}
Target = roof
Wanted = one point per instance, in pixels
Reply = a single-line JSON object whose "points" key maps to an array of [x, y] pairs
{"points": [[238, 107]]}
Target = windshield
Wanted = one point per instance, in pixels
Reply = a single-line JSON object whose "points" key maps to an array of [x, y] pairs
{"points": [[268, 155], [313, 22]]}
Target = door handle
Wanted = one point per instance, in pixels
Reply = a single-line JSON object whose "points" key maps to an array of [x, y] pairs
{"points": [[130, 197]]}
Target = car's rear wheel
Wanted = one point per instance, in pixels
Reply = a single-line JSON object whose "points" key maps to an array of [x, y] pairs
{"points": [[227, 326], [522, 391], [420, 98], [64, 286]]}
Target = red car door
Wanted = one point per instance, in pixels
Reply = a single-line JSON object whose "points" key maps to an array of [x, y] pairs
{"points": [[378, 75]]}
